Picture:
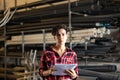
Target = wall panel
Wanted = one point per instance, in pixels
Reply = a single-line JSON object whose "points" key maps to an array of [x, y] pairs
{"points": [[11, 3], [1, 5]]}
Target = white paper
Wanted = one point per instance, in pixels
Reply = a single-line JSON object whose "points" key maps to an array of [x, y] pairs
{"points": [[60, 68]]}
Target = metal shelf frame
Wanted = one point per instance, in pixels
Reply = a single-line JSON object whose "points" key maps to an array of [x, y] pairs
{"points": [[44, 38]]}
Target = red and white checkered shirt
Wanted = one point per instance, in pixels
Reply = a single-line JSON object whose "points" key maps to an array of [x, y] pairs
{"points": [[49, 58]]}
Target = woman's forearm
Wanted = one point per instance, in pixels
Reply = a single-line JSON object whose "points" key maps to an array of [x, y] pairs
{"points": [[47, 72]]}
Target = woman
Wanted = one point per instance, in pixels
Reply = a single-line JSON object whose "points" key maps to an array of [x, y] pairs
{"points": [[58, 54]]}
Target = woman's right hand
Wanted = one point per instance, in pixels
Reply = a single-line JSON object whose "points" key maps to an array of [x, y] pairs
{"points": [[49, 71]]}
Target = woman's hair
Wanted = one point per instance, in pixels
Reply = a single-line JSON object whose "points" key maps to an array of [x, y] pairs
{"points": [[58, 27]]}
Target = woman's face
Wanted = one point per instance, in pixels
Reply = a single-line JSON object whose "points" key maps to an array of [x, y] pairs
{"points": [[61, 37]]}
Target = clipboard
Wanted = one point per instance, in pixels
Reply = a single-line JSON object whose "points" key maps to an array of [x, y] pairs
{"points": [[60, 68]]}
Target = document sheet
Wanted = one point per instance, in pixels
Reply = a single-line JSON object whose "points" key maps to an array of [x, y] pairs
{"points": [[60, 68]]}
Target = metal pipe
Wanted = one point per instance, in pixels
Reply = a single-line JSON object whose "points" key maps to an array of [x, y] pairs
{"points": [[100, 68], [100, 75], [70, 25], [23, 45], [44, 40], [5, 54]]}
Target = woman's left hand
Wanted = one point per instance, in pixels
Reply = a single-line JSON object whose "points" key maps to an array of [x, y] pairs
{"points": [[71, 73]]}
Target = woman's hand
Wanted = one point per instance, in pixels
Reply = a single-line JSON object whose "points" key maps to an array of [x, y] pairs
{"points": [[71, 73], [49, 71]]}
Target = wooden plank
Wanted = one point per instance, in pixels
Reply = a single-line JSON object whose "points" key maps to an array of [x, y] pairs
{"points": [[25, 73], [12, 69], [10, 76], [26, 77], [77, 36], [85, 32]]}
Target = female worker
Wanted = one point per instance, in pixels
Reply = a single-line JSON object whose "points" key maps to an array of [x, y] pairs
{"points": [[58, 54]]}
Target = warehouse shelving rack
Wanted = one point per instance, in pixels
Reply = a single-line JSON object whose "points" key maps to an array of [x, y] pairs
{"points": [[44, 37], [23, 41], [44, 41], [22, 44]]}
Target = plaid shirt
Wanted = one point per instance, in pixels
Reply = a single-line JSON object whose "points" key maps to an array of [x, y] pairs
{"points": [[50, 58]]}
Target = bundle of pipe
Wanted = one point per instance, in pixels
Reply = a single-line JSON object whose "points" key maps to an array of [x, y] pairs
{"points": [[100, 75], [86, 6], [100, 68], [55, 11], [38, 15], [96, 49], [30, 5], [77, 23], [92, 46]]}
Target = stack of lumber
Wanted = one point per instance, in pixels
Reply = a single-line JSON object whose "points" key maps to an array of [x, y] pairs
{"points": [[77, 36]]}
